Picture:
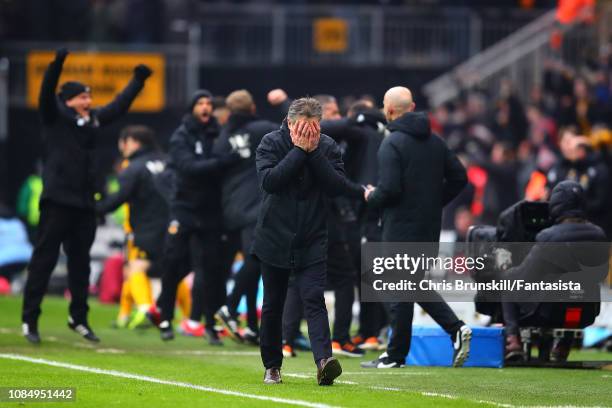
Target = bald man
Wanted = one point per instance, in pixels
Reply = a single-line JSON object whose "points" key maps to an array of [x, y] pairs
{"points": [[418, 175]]}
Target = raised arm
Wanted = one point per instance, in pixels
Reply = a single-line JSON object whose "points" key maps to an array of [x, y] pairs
{"points": [[187, 162], [342, 129], [389, 185], [329, 171], [122, 102], [274, 173], [47, 101]]}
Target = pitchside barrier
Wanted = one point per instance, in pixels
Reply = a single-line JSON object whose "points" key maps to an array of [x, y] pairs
{"points": [[431, 346]]}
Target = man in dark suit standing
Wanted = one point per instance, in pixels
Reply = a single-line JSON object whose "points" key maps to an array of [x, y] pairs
{"points": [[418, 176], [298, 169]]}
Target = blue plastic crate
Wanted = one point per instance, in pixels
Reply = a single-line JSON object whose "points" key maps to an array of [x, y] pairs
{"points": [[431, 346]]}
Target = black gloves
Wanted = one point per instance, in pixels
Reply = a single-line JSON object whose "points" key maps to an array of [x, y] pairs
{"points": [[142, 72]]}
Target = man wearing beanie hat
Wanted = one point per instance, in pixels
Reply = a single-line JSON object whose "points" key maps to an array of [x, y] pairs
{"points": [[195, 230], [67, 217], [567, 209]]}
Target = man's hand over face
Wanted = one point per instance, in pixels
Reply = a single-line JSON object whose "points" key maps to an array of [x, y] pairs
{"points": [[314, 135], [299, 135]]}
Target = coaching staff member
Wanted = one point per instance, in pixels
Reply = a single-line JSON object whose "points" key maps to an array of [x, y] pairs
{"points": [[240, 199], [418, 176], [195, 229], [67, 216], [298, 168]]}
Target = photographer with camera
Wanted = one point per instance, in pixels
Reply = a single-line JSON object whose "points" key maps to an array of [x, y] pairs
{"points": [[567, 208]]}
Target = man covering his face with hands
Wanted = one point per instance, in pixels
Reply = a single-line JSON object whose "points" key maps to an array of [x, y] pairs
{"points": [[298, 170]]}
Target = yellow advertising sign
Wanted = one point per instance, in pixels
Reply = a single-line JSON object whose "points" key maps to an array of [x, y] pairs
{"points": [[106, 73], [330, 35]]}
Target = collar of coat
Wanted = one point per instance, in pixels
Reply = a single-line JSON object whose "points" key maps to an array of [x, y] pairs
{"points": [[284, 129], [140, 152]]}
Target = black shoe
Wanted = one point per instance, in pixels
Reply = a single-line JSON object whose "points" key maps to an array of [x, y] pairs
{"points": [[250, 336], [30, 332], [213, 337], [328, 370], [382, 362], [83, 329], [461, 345], [229, 323], [165, 330]]}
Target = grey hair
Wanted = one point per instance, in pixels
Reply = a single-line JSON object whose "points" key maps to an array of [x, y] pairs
{"points": [[304, 108]]}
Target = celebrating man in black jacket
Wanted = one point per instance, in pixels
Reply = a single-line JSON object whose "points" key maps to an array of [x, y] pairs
{"points": [[70, 127], [418, 176], [241, 199], [147, 217], [194, 232], [297, 168]]}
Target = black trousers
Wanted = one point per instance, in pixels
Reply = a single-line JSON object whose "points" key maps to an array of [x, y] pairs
{"points": [[75, 229], [340, 279], [401, 314], [201, 250], [226, 258], [246, 281], [372, 315], [512, 316], [310, 282], [293, 314]]}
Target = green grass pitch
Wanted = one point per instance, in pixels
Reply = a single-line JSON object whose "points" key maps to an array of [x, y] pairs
{"points": [[187, 372]]}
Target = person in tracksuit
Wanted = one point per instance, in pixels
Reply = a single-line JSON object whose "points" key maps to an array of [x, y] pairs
{"points": [[362, 131], [418, 176], [298, 169], [70, 129], [142, 188], [195, 228], [241, 198]]}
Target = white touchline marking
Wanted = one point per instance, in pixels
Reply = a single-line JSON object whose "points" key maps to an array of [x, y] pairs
{"points": [[430, 394], [435, 394], [110, 351], [383, 372], [121, 374], [82, 345], [374, 387]]}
